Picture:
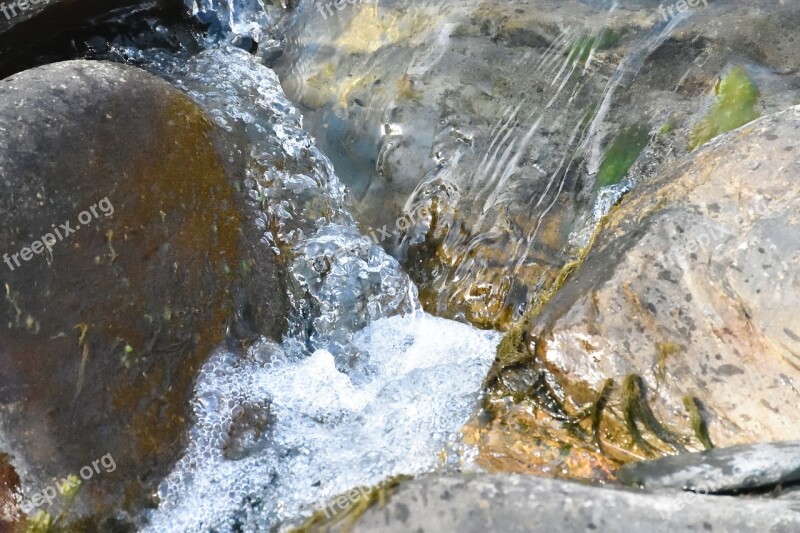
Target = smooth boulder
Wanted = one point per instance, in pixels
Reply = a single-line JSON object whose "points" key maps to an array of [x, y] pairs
{"points": [[476, 504]]}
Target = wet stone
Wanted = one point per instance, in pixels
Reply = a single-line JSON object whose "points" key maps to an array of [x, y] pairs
{"points": [[475, 504], [128, 256], [731, 469], [678, 331]]}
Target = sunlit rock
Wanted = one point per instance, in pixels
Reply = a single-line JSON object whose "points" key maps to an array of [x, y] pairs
{"points": [[679, 331], [474, 504]]}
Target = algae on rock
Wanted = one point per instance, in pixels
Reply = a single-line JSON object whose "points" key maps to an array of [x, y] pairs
{"points": [[735, 106]]}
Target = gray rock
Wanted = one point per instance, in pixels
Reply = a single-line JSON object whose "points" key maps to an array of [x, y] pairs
{"points": [[722, 470], [520, 504]]}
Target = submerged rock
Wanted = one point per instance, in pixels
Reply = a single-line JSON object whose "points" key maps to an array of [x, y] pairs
{"points": [[679, 330], [479, 138], [516, 504], [128, 255]]}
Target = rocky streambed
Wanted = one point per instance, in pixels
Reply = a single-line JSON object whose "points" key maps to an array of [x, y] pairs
{"points": [[392, 265]]}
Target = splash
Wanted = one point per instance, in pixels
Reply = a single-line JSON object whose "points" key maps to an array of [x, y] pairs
{"points": [[278, 431]]}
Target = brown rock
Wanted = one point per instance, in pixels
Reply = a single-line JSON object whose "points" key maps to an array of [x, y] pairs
{"points": [[104, 330]]}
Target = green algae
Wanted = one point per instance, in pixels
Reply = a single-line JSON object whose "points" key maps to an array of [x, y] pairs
{"points": [[636, 410], [622, 154], [735, 106], [582, 48], [699, 426], [667, 128], [665, 351]]}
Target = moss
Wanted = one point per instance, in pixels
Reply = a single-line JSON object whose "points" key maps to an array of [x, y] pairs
{"points": [[665, 350], [344, 510], [699, 426], [735, 106], [667, 128], [582, 48], [41, 522], [622, 154], [636, 409]]}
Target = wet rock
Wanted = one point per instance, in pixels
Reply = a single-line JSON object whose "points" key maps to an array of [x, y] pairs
{"points": [[679, 330], [9, 485], [733, 469], [516, 504], [128, 256]]}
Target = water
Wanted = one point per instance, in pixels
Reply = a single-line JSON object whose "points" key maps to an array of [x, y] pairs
{"points": [[278, 429], [496, 160], [364, 386], [491, 115]]}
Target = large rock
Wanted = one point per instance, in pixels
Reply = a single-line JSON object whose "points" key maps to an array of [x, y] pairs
{"points": [[475, 504], [105, 324], [723, 470], [687, 302]]}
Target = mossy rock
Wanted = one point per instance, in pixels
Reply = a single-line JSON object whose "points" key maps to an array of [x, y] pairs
{"points": [[105, 326]]}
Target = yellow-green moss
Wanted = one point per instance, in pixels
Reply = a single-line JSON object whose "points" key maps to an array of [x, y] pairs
{"points": [[665, 350], [698, 423], [668, 127], [735, 106], [582, 48]]}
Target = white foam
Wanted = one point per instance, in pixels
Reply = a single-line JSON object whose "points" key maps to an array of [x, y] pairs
{"points": [[414, 384]]}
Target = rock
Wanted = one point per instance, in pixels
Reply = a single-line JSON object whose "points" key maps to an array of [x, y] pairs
{"points": [[734, 469], [679, 330], [128, 255], [523, 503], [9, 485]]}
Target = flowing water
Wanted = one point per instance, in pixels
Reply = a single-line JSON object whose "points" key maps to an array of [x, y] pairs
{"points": [[490, 115], [367, 385]]}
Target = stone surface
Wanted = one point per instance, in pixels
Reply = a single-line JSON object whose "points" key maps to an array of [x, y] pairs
{"points": [[104, 330], [731, 469], [687, 302], [515, 504]]}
